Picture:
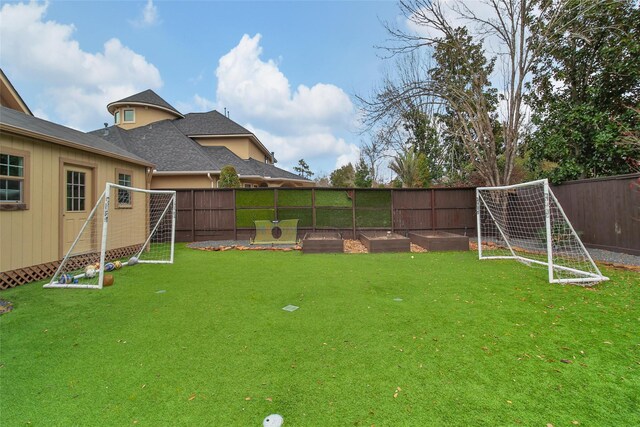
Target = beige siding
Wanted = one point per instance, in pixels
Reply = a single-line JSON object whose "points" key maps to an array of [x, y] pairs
{"points": [[143, 116], [31, 237], [162, 182], [238, 146]]}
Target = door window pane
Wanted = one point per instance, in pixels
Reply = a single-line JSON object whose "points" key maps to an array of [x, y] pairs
{"points": [[75, 191]]}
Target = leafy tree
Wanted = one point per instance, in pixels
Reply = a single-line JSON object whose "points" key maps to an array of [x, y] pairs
{"points": [[459, 81], [584, 83], [229, 178], [362, 178], [343, 177], [412, 169], [303, 169], [424, 138]]}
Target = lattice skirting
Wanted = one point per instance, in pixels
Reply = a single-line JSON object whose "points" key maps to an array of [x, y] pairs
{"points": [[33, 273]]}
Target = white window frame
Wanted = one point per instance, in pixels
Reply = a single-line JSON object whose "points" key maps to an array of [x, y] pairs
{"points": [[129, 173], [23, 203], [124, 115]]}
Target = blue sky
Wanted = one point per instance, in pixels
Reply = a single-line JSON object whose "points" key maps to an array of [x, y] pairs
{"points": [[287, 70]]}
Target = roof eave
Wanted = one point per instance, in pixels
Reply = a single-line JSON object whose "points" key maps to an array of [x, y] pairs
{"points": [[144, 104], [48, 138]]}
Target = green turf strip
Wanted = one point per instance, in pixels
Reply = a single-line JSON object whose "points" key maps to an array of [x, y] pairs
{"points": [[470, 343]]}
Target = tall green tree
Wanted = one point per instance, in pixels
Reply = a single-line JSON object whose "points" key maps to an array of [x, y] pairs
{"points": [[229, 178], [586, 84], [303, 169], [362, 176], [343, 176]]}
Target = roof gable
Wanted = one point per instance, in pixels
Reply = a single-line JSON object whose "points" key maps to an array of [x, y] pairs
{"points": [[9, 96]]}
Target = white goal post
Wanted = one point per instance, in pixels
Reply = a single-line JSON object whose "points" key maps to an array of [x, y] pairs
{"points": [[525, 222], [127, 226]]}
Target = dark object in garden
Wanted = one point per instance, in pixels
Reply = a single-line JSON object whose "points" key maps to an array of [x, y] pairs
{"points": [[440, 241]]}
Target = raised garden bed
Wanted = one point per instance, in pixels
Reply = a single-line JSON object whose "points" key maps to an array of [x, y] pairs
{"points": [[440, 241], [320, 243], [381, 241]]}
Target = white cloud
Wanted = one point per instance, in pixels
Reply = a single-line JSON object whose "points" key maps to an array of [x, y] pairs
{"points": [[317, 149], [195, 105], [301, 123], [78, 84], [148, 16]]}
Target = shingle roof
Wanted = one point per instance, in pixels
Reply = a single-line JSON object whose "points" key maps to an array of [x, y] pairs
{"points": [[147, 97], [162, 144], [210, 123], [247, 167], [20, 121], [168, 143]]}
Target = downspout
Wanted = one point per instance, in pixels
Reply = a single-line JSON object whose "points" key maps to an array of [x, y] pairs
{"points": [[210, 179], [148, 177]]}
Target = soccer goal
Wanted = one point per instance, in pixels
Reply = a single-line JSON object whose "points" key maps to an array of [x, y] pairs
{"points": [[525, 222], [127, 226]]}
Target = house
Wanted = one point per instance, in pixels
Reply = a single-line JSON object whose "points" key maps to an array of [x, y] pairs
{"points": [[50, 178], [190, 150]]}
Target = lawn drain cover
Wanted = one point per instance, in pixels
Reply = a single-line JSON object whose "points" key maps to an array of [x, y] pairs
{"points": [[290, 308]]}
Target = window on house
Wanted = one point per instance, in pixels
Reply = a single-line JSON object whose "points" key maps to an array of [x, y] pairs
{"points": [[247, 186], [116, 117], [76, 191], [13, 178], [124, 196], [129, 116]]}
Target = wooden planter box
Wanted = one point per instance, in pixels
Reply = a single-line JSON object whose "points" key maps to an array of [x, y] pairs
{"points": [[380, 241], [440, 241], [321, 243]]}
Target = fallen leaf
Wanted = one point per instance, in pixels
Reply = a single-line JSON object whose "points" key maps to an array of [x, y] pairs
{"points": [[566, 361], [549, 425], [575, 423], [395, 394], [269, 399], [509, 402], [247, 398], [193, 396]]}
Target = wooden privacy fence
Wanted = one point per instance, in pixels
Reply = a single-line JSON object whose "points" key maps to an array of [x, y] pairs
{"points": [[606, 211], [222, 214]]}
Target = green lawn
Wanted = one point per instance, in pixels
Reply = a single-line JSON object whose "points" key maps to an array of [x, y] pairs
{"points": [[469, 343]]}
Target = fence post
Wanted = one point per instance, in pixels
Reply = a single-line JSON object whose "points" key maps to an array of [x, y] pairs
{"points": [[353, 212], [193, 215], [313, 209], [393, 210], [433, 209], [235, 222]]}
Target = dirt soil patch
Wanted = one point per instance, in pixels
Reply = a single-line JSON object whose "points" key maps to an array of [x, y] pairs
{"points": [[5, 306], [356, 247]]}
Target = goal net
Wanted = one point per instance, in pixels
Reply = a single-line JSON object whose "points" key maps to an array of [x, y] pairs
{"points": [[127, 226], [525, 222]]}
